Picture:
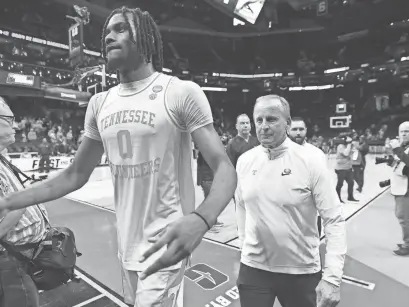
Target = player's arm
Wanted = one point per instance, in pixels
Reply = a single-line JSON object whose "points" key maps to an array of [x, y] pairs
{"points": [[195, 116], [70, 179], [225, 179], [240, 207]]}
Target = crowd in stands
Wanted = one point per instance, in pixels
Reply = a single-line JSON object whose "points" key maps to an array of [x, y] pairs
{"points": [[31, 131], [61, 128]]}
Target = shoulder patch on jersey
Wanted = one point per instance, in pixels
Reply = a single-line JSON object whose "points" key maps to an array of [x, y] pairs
{"points": [[157, 88]]}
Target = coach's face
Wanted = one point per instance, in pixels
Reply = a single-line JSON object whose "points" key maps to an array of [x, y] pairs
{"points": [[121, 51], [271, 121]]}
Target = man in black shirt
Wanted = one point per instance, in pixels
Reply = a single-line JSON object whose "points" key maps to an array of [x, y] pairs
{"points": [[243, 141]]}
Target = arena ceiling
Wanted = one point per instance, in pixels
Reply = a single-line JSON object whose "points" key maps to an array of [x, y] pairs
{"points": [[278, 16]]}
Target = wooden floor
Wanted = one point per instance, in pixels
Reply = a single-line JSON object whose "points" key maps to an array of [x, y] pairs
{"points": [[373, 275]]}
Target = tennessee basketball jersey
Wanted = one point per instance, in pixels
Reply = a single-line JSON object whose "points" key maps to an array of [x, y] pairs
{"points": [[145, 129]]}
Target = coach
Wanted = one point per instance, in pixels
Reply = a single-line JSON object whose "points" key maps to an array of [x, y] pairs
{"points": [[281, 186]]}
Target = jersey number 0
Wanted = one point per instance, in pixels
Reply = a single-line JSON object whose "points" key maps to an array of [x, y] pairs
{"points": [[124, 144]]}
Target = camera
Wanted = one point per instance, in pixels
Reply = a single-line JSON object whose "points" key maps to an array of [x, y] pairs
{"points": [[385, 183], [386, 159]]}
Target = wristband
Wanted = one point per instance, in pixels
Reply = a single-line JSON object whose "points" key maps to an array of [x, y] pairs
{"points": [[204, 220]]}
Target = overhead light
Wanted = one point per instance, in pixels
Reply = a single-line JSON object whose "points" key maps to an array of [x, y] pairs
{"points": [[214, 89], [332, 70]]}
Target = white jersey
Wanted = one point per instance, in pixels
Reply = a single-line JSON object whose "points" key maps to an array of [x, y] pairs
{"points": [[145, 129]]}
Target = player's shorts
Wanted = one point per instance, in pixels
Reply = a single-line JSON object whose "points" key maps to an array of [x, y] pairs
{"points": [[157, 290]]}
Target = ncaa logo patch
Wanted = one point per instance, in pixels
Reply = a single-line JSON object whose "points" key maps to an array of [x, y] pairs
{"points": [[157, 88], [205, 276]]}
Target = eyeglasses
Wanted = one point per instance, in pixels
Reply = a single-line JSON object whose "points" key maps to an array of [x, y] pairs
{"points": [[9, 119]]}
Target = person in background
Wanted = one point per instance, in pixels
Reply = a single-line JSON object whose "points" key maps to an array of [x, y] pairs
{"points": [[399, 185], [17, 228], [32, 136], [343, 168], [363, 148], [243, 141], [358, 165], [69, 136], [281, 185], [44, 151]]}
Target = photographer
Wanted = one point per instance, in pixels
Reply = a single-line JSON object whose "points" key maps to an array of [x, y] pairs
{"points": [[18, 228], [399, 185], [343, 168]]}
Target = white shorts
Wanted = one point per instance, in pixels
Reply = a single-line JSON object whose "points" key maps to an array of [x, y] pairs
{"points": [[158, 290]]}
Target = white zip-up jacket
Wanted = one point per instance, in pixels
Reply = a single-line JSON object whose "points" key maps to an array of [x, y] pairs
{"points": [[278, 194]]}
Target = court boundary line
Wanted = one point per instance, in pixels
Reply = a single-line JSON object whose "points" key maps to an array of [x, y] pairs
{"points": [[92, 299], [97, 285]]}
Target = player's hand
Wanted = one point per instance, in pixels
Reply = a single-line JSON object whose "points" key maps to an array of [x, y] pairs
{"points": [[328, 295], [394, 143], [181, 238]]}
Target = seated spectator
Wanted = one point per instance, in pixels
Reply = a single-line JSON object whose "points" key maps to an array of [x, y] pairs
{"points": [[69, 135], [64, 148], [52, 136], [59, 134], [24, 137], [32, 136]]}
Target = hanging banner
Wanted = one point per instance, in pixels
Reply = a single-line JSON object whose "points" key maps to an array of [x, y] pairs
{"points": [[65, 94]]}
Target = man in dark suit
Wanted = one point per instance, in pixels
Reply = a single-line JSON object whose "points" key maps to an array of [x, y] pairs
{"points": [[243, 141]]}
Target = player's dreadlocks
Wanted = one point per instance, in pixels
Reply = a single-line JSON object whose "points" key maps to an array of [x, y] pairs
{"points": [[144, 33]]}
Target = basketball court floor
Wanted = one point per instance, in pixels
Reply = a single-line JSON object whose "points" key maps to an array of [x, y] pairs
{"points": [[373, 275]]}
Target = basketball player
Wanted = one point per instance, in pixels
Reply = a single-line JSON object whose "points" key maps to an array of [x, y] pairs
{"points": [[145, 126], [298, 134]]}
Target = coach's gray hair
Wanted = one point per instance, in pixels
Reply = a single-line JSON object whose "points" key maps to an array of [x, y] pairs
{"points": [[284, 103]]}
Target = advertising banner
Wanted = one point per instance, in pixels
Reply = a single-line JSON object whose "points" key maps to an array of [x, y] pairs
{"points": [[32, 164]]}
